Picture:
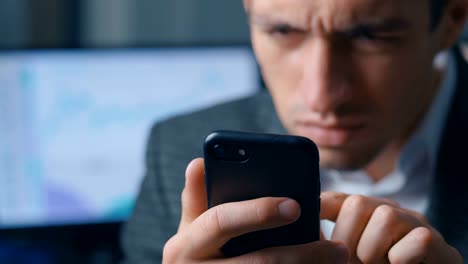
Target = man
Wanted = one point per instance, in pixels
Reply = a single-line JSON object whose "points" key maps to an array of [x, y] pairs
{"points": [[357, 77]]}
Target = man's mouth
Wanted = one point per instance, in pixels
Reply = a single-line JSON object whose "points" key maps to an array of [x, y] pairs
{"points": [[329, 135]]}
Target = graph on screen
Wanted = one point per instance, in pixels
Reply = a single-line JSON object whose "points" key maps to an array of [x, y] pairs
{"points": [[73, 124]]}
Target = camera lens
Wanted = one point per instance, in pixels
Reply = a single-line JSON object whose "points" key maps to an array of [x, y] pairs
{"points": [[218, 151], [241, 152]]}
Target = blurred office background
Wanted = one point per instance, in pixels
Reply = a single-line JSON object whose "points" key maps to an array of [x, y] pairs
{"points": [[56, 75], [58, 66]]}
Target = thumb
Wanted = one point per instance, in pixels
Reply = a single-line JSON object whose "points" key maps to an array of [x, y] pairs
{"points": [[194, 201]]}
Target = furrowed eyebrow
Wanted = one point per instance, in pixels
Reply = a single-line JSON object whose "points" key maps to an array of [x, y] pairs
{"points": [[386, 25], [270, 21], [389, 25]]}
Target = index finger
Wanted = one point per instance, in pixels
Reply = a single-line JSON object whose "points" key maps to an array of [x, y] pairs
{"points": [[331, 203]]}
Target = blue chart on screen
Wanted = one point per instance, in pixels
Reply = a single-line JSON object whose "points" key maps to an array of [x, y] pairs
{"points": [[74, 124]]}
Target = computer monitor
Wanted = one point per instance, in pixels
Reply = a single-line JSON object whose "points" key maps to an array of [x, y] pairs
{"points": [[74, 123]]}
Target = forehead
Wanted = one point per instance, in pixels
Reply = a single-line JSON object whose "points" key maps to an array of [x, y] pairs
{"points": [[346, 10]]}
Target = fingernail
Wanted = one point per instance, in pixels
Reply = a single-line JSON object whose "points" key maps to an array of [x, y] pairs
{"points": [[342, 254], [289, 209]]}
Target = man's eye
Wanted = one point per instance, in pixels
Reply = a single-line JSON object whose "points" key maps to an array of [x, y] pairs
{"points": [[283, 30], [363, 34], [369, 35]]}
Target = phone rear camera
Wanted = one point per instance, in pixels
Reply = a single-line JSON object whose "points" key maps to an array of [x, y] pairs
{"points": [[229, 152], [218, 150]]}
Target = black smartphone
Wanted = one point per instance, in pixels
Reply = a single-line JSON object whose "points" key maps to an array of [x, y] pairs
{"points": [[242, 166]]}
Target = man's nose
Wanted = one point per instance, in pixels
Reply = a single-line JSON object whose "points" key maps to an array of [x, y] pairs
{"points": [[325, 83]]}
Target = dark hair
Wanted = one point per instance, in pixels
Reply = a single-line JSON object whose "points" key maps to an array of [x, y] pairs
{"points": [[437, 9]]}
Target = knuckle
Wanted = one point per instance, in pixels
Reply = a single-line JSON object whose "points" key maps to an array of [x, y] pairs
{"points": [[386, 214], [355, 202], [218, 218], [423, 237], [215, 220]]}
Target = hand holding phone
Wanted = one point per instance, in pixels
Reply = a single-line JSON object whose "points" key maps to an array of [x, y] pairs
{"points": [[244, 166], [202, 231]]}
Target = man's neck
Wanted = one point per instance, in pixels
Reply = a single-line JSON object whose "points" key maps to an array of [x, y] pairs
{"points": [[384, 163]]}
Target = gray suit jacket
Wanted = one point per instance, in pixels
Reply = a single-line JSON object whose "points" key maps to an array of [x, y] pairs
{"points": [[175, 142]]}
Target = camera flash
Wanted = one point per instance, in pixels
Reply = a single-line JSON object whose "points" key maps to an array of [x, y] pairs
{"points": [[241, 152]]}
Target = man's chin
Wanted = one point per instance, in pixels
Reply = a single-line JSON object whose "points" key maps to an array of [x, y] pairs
{"points": [[343, 160]]}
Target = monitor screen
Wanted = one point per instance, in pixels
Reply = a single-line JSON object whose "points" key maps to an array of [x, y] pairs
{"points": [[74, 123]]}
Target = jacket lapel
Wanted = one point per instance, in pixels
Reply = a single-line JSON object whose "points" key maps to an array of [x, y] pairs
{"points": [[448, 209]]}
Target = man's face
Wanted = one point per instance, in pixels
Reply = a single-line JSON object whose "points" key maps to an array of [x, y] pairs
{"points": [[355, 76]]}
